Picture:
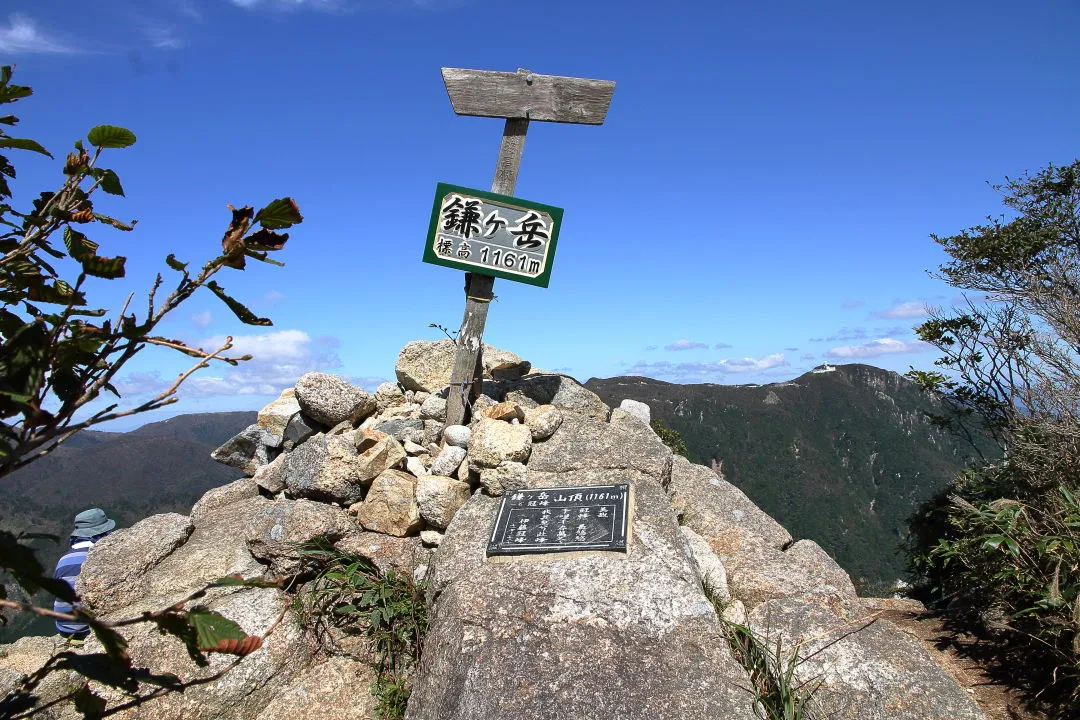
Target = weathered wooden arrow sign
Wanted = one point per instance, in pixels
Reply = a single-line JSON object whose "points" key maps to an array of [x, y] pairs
{"points": [[519, 97]]}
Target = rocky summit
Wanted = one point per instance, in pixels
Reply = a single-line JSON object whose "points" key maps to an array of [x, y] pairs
{"points": [[576, 635]]}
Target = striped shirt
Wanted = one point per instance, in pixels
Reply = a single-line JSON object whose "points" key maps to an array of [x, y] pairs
{"points": [[67, 570]]}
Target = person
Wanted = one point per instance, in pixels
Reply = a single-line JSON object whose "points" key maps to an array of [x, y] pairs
{"points": [[90, 526]]}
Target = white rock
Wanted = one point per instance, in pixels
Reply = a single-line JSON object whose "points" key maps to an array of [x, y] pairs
{"points": [[638, 409], [495, 441], [447, 461], [458, 435], [431, 537], [440, 498]]}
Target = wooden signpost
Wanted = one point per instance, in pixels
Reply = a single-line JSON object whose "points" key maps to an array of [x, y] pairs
{"points": [[518, 97]]}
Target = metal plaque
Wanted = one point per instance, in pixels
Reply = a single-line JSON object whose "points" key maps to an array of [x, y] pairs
{"points": [[549, 520], [492, 234]]}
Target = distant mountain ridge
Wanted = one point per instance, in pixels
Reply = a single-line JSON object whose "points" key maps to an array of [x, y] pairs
{"points": [[841, 455]]}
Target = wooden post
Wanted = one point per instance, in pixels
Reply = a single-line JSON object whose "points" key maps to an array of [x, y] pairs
{"points": [[518, 97]]}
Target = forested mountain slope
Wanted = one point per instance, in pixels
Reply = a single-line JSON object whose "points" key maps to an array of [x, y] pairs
{"points": [[841, 456]]}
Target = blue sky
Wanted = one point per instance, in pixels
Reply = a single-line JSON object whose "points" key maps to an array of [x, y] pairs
{"points": [[758, 202]]}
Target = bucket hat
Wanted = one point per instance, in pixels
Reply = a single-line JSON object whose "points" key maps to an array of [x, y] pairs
{"points": [[92, 522]]}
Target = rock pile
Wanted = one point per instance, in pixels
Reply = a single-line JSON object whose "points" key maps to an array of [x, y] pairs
{"points": [[579, 635]]}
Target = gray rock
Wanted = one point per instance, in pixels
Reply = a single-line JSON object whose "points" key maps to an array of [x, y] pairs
{"points": [[336, 469], [390, 505], [275, 417], [709, 567], [496, 441], [586, 443], [216, 548], [596, 635], [334, 690], [439, 499], [434, 408], [432, 538], [425, 365], [458, 435], [869, 669], [447, 461], [638, 409], [112, 570], [717, 510], [387, 395], [239, 694], [543, 421], [401, 555], [271, 477], [432, 431], [397, 427], [505, 477], [329, 399], [299, 430], [275, 531], [562, 392], [19, 663], [415, 466], [248, 450], [206, 508], [758, 573]]}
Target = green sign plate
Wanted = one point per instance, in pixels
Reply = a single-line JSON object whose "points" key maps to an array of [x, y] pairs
{"points": [[492, 234]]}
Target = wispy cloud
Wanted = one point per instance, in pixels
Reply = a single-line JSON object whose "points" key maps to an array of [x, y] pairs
{"points": [[721, 346], [163, 37], [685, 344], [807, 356], [23, 36], [851, 304], [876, 348], [910, 309], [704, 371], [649, 348], [791, 349], [203, 320], [323, 5], [846, 334], [188, 9]]}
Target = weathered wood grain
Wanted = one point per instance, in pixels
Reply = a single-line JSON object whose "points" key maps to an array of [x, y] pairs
{"points": [[468, 358], [525, 95]]}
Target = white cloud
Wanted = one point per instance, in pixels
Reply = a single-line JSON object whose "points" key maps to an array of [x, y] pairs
{"points": [[911, 309], [203, 320], [704, 371], [685, 344], [650, 348], [721, 346], [163, 37], [187, 9], [22, 36], [273, 297], [327, 5], [278, 359], [876, 348]]}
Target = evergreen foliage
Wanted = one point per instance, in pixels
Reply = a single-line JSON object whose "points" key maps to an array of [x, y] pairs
{"points": [[1002, 544]]}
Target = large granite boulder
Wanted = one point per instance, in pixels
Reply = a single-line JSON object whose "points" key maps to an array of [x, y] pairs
{"points": [[275, 532], [115, 565], [718, 511], [586, 443], [868, 668], [425, 365], [439, 499], [249, 449], [592, 635], [275, 417], [21, 688], [561, 391], [334, 690], [390, 506], [238, 694], [329, 399], [496, 441], [337, 468]]}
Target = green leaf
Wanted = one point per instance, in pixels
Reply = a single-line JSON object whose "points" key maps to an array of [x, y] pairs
{"points": [[110, 136], [212, 629], [993, 541], [110, 181], [78, 245], [24, 144], [242, 313], [103, 267], [1012, 546], [114, 644], [279, 214], [175, 264]]}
